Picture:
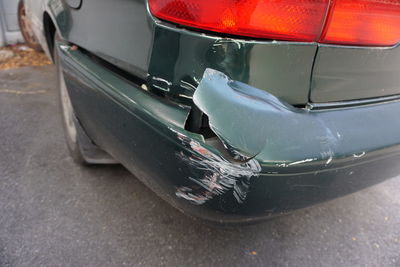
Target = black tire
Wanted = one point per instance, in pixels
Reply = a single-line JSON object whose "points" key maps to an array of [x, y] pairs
{"points": [[81, 147], [26, 29]]}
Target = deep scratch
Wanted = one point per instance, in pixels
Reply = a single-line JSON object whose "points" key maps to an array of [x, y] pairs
{"points": [[220, 175]]}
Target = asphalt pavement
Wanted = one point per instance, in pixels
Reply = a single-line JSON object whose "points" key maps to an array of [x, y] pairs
{"points": [[56, 213]]}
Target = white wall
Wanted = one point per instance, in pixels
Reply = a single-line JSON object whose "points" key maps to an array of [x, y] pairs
{"points": [[9, 30]]}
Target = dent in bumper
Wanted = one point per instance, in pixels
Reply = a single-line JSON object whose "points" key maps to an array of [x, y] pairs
{"points": [[289, 157], [257, 124], [147, 136]]}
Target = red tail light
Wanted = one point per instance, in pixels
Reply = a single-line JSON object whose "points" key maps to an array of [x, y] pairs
{"points": [[363, 22], [358, 22], [299, 20]]}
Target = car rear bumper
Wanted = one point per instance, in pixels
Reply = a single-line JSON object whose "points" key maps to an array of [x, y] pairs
{"points": [[277, 157]]}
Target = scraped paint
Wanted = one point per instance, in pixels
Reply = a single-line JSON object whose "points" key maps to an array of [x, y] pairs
{"points": [[221, 175]]}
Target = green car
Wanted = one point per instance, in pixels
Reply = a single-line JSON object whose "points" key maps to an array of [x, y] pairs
{"points": [[230, 110]]}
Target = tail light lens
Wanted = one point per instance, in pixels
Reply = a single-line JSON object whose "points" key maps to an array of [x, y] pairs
{"points": [[356, 22], [363, 22], [299, 20]]}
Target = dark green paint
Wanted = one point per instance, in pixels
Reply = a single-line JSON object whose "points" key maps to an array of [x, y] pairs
{"points": [[351, 73], [285, 139], [277, 157], [118, 30], [125, 34], [173, 59], [194, 176], [181, 57]]}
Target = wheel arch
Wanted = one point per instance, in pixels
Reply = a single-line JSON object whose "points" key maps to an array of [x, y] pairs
{"points": [[56, 18], [49, 31]]}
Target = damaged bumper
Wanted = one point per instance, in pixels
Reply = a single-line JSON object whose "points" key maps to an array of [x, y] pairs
{"points": [[292, 157], [274, 157]]}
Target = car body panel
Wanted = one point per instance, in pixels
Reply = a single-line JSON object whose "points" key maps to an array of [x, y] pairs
{"points": [[196, 177], [277, 67], [353, 73], [255, 123], [269, 152], [125, 25], [136, 42], [280, 68]]}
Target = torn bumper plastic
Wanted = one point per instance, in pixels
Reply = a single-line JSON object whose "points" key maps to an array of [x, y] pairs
{"points": [[296, 157], [290, 158]]}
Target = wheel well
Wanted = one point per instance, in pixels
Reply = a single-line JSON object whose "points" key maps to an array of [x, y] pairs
{"points": [[49, 31]]}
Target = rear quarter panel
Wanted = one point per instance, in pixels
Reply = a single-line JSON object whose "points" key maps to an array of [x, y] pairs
{"points": [[350, 73], [124, 33], [117, 31]]}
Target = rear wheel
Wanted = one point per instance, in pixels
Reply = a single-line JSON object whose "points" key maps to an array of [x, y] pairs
{"points": [[26, 29], [80, 146]]}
